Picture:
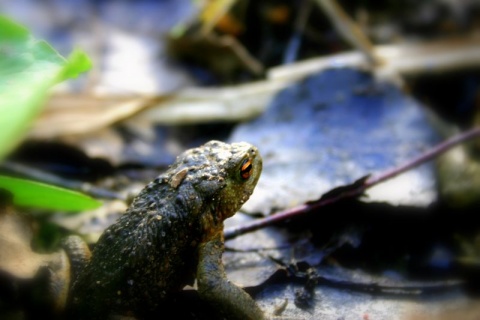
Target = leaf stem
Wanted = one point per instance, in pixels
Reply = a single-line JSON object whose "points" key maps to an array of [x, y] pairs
{"points": [[358, 190]]}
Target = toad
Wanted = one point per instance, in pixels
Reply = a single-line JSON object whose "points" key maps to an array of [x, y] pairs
{"points": [[171, 235]]}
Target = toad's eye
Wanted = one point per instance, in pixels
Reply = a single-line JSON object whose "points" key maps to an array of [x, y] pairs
{"points": [[246, 169]]}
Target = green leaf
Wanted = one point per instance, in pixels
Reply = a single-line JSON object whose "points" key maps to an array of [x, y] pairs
{"points": [[28, 70], [77, 63], [39, 195]]}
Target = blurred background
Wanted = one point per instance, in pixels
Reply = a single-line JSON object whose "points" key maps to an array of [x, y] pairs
{"points": [[330, 91]]}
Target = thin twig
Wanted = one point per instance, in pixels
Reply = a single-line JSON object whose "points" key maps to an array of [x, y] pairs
{"points": [[294, 43], [349, 29], [355, 192]]}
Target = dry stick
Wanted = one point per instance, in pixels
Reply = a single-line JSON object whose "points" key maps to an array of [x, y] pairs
{"points": [[349, 29], [370, 182], [293, 46]]}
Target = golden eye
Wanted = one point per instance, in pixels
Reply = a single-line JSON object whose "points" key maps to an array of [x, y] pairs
{"points": [[246, 169]]}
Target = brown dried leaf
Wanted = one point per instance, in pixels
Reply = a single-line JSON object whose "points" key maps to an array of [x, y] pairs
{"points": [[16, 255], [80, 114]]}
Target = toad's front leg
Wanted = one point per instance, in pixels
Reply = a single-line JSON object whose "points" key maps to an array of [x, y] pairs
{"points": [[231, 301]]}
